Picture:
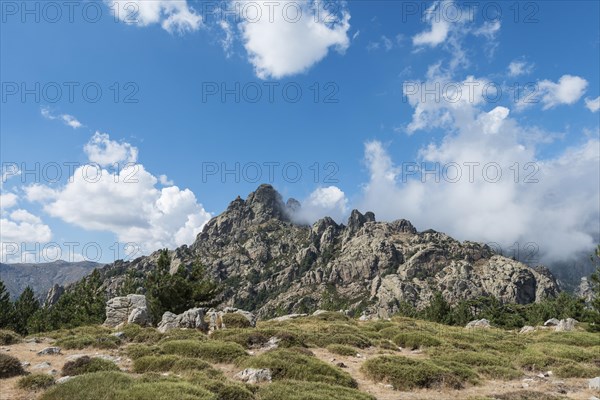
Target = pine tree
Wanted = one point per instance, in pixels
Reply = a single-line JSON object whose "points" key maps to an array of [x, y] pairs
{"points": [[6, 307], [25, 307]]}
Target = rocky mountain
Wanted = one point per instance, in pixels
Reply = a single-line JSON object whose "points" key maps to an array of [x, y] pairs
{"points": [[269, 264], [41, 277]]}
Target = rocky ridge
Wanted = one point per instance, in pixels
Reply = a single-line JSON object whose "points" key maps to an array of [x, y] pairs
{"points": [[273, 266]]}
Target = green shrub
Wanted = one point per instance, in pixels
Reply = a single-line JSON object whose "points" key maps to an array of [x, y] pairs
{"points": [[235, 320], [331, 316], [249, 338], [406, 374], [351, 339], [87, 365], [475, 359], [8, 337], [286, 364], [497, 372], [211, 350], [183, 334], [342, 349], [165, 363], [114, 385], [10, 366], [576, 370], [36, 382], [295, 390], [83, 341], [415, 340], [140, 350]]}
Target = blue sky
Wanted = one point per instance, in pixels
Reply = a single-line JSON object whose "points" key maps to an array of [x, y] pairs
{"points": [[362, 119]]}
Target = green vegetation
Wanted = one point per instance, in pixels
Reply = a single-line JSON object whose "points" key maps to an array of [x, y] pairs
{"points": [[8, 337], [406, 374], [234, 320], [86, 365], [286, 364], [35, 382], [342, 349], [415, 340], [189, 287], [213, 350], [165, 363], [294, 390], [10, 366]]}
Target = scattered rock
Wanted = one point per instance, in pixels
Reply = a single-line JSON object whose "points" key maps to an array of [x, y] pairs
{"points": [[479, 324], [594, 383], [44, 365], [341, 365], [319, 312], [551, 322], [130, 309], [272, 344], [254, 376], [288, 317], [527, 329], [64, 379], [25, 364], [120, 335], [49, 351]]}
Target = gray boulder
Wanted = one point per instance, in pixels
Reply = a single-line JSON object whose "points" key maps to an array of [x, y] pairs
{"points": [[190, 319], [254, 376], [594, 383], [49, 351], [566, 325], [130, 309], [527, 329], [551, 322], [479, 324]]}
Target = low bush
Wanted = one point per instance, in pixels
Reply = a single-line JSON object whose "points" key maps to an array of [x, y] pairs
{"points": [[10, 366], [235, 320], [8, 337], [165, 363], [140, 350], [286, 364], [297, 390], [114, 385], [80, 342], [211, 350], [87, 365], [36, 382], [342, 349], [406, 374], [415, 340]]}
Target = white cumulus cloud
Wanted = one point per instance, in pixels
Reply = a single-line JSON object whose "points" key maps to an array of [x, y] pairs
{"points": [[291, 37], [518, 68], [593, 104], [105, 152], [174, 16], [323, 202], [568, 90]]}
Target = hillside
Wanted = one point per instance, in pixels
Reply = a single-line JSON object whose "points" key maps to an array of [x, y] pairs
{"points": [[41, 277]]}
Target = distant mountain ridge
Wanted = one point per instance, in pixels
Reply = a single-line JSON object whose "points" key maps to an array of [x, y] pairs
{"points": [[269, 264], [41, 277]]}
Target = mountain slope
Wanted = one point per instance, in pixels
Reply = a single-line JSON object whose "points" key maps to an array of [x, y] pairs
{"points": [[271, 265], [41, 277]]}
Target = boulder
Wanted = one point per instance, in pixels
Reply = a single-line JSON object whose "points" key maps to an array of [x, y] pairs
{"points": [[49, 351], [288, 317], [64, 379], [594, 383], [551, 322], [130, 309], [190, 319], [527, 329], [566, 325], [254, 376], [479, 324]]}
